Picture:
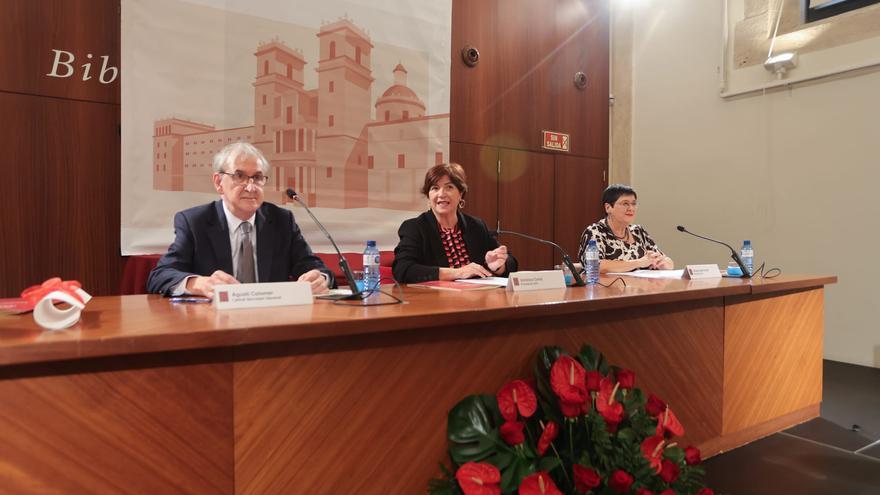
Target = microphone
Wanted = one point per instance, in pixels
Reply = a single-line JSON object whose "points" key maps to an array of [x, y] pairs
{"points": [[343, 264], [566, 259], [733, 253]]}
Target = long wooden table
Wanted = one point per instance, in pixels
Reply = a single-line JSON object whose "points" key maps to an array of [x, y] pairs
{"points": [[145, 396]]}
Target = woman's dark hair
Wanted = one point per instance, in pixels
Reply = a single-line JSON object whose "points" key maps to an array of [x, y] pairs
{"points": [[613, 192], [454, 171]]}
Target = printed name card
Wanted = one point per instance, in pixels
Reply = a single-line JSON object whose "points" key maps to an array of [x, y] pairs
{"points": [[239, 296], [696, 272], [537, 280]]}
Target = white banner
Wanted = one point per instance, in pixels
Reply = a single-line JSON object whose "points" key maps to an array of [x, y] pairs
{"points": [[349, 101]]}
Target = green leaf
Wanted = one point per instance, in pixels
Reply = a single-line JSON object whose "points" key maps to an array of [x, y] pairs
{"points": [[548, 463], [674, 454], [468, 420], [593, 360], [472, 430], [513, 476], [634, 401], [445, 485], [626, 435]]}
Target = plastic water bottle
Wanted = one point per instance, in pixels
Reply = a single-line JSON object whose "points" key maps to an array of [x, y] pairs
{"points": [[748, 255], [591, 258], [371, 267]]}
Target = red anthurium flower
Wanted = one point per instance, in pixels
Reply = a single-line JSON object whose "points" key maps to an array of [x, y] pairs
{"points": [[655, 405], [692, 455], [652, 449], [567, 380], [512, 432], [592, 380], [669, 471], [609, 408], [620, 481], [706, 491], [569, 409], [516, 396], [668, 491], [585, 479], [479, 478], [551, 431], [668, 425], [613, 415], [644, 491], [626, 378], [539, 483]]}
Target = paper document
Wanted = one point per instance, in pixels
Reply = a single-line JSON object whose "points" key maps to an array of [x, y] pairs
{"points": [[650, 274], [500, 281]]}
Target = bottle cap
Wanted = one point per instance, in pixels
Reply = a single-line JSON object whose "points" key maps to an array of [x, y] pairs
{"points": [[371, 243]]}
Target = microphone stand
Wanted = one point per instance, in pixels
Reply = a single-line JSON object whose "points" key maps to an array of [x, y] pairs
{"points": [[733, 254], [566, 259], [343, 263]]}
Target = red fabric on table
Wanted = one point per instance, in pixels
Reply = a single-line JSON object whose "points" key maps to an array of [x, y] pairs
{"points": [[137, 270]]}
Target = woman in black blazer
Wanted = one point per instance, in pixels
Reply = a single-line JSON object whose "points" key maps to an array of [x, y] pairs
{"points": [[444, 243]]}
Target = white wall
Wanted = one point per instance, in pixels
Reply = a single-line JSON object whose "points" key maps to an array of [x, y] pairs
{"points": [[796, 171]]}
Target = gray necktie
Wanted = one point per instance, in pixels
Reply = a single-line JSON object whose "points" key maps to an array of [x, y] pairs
{"points": [[246, 273]]}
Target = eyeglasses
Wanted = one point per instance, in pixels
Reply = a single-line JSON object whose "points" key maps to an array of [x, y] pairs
{"points": [[240, 178], [627, 204]]}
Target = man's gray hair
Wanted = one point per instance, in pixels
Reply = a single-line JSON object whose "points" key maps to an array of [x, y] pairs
{"points": [[231, 152]]}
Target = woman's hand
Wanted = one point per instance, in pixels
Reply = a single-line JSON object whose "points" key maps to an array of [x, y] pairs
{"points": [[472, 270], [496, 259], [649, 260], [663, 263]]}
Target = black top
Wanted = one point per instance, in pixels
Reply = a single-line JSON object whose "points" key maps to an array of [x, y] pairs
{"points": [[420, 254], [201, 246]]}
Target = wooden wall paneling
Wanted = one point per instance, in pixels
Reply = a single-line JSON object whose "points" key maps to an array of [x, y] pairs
{"points": [[579, 185], [29, 31], [526, 46], [474, 114], [59, 206], [525, 198], [481, 166], [582, 44], [772, 356], [157, 429], [301, 419]]}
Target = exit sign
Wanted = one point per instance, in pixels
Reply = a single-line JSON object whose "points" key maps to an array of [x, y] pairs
{"points": [[556, 141]]}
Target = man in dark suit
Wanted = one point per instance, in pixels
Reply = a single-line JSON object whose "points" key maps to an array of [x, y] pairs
{"points": [[237, 238]]}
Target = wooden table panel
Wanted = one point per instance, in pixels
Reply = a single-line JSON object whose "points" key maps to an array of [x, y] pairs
{"points": [[348, 399], [163, 428], [316, 418], [772, 356]]}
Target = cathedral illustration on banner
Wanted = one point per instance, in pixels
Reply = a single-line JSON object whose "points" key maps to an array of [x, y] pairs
{"points": [[322, 142]]}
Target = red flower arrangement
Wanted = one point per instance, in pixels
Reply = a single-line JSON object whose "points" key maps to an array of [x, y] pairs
{"points": [[581, 428]]}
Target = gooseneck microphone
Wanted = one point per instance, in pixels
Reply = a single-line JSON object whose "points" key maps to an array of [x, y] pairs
{"points": [[578, 281], [343, 264], [733, 253]]}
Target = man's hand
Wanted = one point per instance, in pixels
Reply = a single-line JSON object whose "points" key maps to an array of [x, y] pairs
{"points": [[204, 286], [314, 277], [496, 259]]}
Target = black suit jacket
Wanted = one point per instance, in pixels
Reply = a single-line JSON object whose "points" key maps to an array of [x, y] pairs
{"points": [[419, 254], [201, 246]]}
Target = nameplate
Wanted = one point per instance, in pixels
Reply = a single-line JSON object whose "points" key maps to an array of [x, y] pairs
{"points": [[239, 296], [696, 272], [538, 280]]}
